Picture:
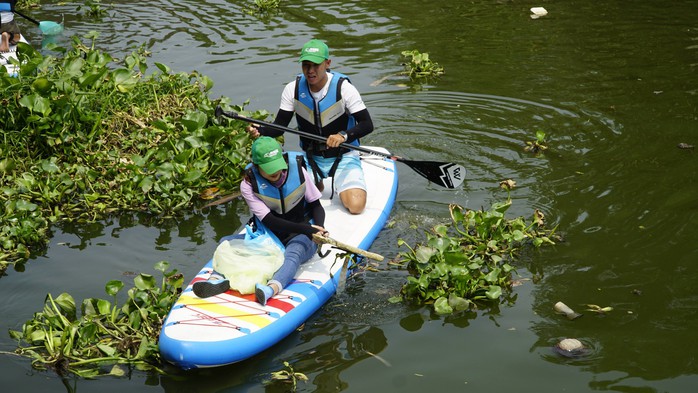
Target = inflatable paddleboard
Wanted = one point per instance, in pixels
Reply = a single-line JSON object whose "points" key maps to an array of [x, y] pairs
{"points": [[12, 54], [228, 328]]}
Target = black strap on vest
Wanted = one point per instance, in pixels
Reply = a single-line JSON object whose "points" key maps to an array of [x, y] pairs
{"points": [[317, 172]]}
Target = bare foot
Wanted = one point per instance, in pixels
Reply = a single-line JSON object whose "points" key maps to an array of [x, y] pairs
{"points": [[5, 42]]}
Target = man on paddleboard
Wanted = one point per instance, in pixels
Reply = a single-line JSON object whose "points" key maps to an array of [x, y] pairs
{"points": [[8, 27], [283, 198], [327, 104]]}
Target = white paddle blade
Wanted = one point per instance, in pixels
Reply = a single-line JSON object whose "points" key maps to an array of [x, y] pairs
{"points": [[453, 176]]}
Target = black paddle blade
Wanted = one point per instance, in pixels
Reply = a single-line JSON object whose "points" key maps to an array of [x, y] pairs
{"points": [[445, 174]]}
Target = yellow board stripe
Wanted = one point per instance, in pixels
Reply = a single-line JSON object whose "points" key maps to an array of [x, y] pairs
{"points": [[225, 311]]}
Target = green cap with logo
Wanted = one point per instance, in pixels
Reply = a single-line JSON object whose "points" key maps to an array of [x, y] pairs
{"points": [[315, 51], [267, 153]]}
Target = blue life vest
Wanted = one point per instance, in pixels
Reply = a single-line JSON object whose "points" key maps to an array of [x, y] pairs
{"points": [[288, 201], [7, 5], [324, 118]]}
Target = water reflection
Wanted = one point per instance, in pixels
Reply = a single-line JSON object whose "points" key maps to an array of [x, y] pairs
{"points": [[192, 227], [340, 348], [321, 350]]}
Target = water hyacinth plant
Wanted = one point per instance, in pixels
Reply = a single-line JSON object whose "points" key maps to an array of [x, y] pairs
{"points": [[287, 376], [93, 9], [105, 334], [420, 66], [470, 259], [86, 135]]}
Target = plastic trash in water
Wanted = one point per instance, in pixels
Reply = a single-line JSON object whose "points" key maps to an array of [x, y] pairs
{"points": [[50, 28], [537, 12], [571, 348], [562, 308]]}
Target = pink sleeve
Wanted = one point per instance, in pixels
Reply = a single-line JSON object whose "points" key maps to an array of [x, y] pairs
{"points": [[312, 193], [257, 207]]}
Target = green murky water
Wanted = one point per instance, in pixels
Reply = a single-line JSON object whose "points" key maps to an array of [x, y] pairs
{"points": [[614, 86]]}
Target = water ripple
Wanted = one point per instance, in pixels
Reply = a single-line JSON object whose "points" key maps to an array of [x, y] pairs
{"points": [[487, 134]]}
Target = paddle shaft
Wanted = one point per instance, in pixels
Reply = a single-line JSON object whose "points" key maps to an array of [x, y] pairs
{"points": [[304, 134], [445, 174], [36, 22]]}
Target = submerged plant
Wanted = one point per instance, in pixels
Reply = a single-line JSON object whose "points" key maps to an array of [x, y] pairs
{"points": [[93, 8], [468, 260], [106, 334], [288, 376], [538, 145], [263, 7]]}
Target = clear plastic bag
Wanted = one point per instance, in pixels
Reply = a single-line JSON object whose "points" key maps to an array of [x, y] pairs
{"points": [[245, 262]]}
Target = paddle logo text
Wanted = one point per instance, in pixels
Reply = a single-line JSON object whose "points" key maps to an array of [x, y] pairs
{"points": [[452, 174]]}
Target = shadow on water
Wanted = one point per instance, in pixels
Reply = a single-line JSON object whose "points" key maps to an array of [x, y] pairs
{"points": [[321, 350]]}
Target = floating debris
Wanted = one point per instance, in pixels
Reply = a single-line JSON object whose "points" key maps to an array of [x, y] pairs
{"points": [[570, 348], [685, 146], [383, 79], [570, 344], [519, 282], [537, 12], [380, 359], [209, 193], [562, 308], [598, 309]]}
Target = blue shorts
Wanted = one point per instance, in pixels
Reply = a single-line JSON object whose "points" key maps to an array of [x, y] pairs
{"points": [[349, 173]]}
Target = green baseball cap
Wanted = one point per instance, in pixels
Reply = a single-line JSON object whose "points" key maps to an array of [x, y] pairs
{"points": [[315, 51], [267, 153]]}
